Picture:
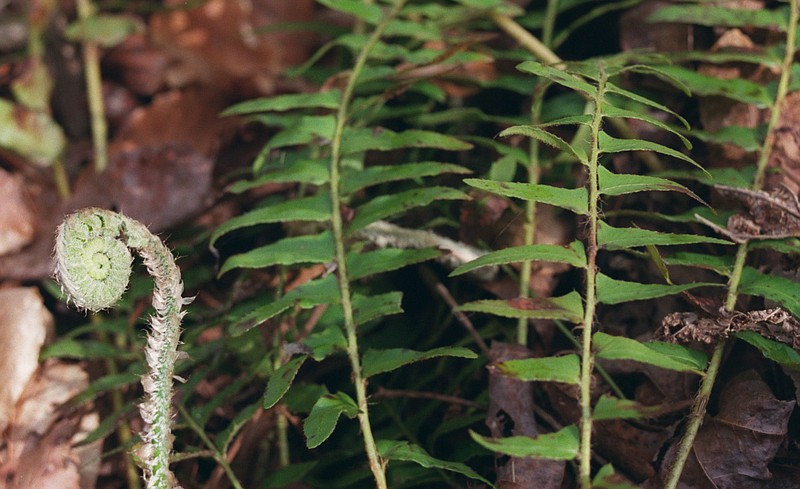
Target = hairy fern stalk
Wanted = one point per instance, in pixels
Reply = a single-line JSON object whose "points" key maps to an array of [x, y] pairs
{"points": [[93, 266]]}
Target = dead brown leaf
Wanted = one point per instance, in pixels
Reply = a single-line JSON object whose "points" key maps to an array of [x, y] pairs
{"points": [[38, 450], [24, 325], [17, 217], [786, 152], [776, 324], [629, 446], [734, 448], [773, 214], [160, 173], [511, 414], [220, 42]]}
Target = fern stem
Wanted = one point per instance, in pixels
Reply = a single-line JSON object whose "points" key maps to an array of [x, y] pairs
{"points": [[698, 410], [525, 38], [546, 55], [529, 228], [550, 13], [215, 453], [587, 361], [124, 433], [376, 465]]}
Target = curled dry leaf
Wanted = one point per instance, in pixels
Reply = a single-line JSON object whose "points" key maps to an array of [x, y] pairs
{"points": [[776, 324], [771, 214]]}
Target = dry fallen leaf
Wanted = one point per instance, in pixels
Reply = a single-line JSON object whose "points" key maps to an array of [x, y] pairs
{"points": [[38, 449], [511, 414], [773, 214], [734, 448], [776, 324], [17, 217], [221, 42], [24, 325]]}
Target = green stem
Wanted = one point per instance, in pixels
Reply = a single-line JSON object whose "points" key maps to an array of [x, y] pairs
{"points": [[94, 92], [60, 179], [529, 228], [212, 447], [550, 13], [697, 413], [282, 425], [93, 265], [375, 463], [124, 433], [587, 361]]}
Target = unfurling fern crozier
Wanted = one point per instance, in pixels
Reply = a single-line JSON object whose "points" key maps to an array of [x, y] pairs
{"points": [[93, 266]]}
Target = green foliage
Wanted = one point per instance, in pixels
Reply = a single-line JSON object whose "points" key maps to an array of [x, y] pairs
{"points": [[560, 445], [325, 414], [555, 369], [623, 170], [381, 361], [664, 355], [407, 452]]}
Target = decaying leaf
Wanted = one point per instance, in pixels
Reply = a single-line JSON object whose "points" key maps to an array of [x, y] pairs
{"points": [[771, 214], [222, 42], [38, 445], [511, 414], [17, 218], [733, 449], [24, 325], [776, 324]]}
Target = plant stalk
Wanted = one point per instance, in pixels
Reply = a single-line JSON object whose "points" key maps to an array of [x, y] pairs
{"points": [[550, 13], [698, 410], [94, 92], [376, 464], [529, 228], [214, 452], [587, 360]]}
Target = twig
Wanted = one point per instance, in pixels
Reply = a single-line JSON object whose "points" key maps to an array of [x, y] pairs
{"points": [[214, 452], [462, 318], [399, 393]]}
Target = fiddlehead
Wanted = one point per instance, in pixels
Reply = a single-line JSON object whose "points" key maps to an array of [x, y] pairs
{"points": [[93, 266]]}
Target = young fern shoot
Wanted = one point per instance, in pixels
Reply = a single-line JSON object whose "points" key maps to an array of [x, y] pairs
{"points": [[93, 266]]}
